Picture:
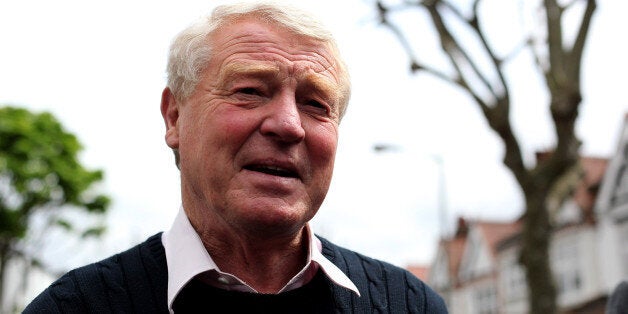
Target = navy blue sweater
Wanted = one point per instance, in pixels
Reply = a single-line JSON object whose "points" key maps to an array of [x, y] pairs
{"points": [[136, 281]]}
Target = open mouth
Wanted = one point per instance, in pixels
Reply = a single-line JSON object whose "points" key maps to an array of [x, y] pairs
{"points": [[273, 170]]}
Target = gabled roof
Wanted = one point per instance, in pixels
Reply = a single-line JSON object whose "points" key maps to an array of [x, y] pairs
{"points": [[612, 200], [584, 196], [586, 192], [450, 252], [479, 255], [421, 271], [491, 233], [495, 232], [454, 249]]}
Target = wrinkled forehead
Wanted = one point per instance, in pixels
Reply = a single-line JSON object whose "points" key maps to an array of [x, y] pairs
{"points": [[321, 81], [319, 37], [248, 40], [250, 49]]}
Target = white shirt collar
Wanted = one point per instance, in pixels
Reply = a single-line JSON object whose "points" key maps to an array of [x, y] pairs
{"points": [[187, 257]]}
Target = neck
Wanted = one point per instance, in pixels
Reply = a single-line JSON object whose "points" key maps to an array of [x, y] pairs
{"points": [[264, 264]]}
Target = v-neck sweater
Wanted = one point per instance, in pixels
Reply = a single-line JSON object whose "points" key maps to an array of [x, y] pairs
{"points": [[135, 281]]}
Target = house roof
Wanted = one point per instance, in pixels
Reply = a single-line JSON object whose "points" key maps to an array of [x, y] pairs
{"points": [[586, 191], [498, 234], [584, 196], [495, 232], [611, 201], [421, 271], [454, 248], [492, 233]]}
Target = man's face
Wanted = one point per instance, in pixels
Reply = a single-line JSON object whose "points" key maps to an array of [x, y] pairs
{"points": [[257, 138]]}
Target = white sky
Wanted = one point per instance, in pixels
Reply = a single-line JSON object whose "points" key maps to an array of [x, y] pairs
{"points": [[99, 67]]}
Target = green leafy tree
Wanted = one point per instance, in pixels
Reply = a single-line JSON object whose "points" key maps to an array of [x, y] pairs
{"points": [[556, 47], [42, 185]]}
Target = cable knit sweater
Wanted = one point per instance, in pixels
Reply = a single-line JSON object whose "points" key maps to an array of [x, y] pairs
{"points": [[135, 281]]}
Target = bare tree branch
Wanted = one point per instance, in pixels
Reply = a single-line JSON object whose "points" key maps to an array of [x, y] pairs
{"points": [[538, 59], [553, 15], [497, 63], [383, 18], [474, 24], [456, 54], [575, 57], [561, 69], [568, 5], [497, 114]]}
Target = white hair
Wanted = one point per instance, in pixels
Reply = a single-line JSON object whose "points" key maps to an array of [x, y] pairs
{"points": [[191, 50]]}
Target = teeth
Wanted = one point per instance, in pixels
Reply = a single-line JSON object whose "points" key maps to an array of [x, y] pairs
{"points": [[274, 170]]}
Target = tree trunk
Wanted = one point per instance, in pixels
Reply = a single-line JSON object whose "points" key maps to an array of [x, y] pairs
{"points": [[560, 64], [536, 238]]}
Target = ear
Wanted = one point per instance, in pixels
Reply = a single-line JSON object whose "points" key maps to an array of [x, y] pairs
{"points": [[170, 113]]}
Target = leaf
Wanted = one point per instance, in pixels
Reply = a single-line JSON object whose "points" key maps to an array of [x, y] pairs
{"points": [[64, 224], [94, 232], [41, 176]]}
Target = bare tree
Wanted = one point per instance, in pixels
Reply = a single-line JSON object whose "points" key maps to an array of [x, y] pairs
{"points": [[558, 58]]}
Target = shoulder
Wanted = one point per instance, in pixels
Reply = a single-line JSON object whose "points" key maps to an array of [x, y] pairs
{"points": [[109, 284], [382, 284], [618, 302]]}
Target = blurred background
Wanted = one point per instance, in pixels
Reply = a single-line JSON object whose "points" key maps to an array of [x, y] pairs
{"points": [[416, 162]]}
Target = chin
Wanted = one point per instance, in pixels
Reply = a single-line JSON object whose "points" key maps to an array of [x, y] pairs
{"points": [[275, 219]]}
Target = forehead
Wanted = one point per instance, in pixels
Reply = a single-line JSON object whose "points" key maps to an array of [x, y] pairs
{"points": [[252, 40]]}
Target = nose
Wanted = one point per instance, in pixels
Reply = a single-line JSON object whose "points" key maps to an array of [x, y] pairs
{"points": [[282, 120]]}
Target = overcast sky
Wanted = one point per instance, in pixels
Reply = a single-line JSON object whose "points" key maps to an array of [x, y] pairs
{"points": [[99, 67]]}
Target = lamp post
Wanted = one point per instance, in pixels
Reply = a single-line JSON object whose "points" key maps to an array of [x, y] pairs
{"points": [[442, 196]]}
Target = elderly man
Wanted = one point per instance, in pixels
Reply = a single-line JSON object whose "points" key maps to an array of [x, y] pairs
{"points": [[254, 98]]}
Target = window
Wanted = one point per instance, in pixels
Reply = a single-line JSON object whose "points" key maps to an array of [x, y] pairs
{"points": [[566, 270], [512, 277], [516, 282], [620, 195], [486, 298]]}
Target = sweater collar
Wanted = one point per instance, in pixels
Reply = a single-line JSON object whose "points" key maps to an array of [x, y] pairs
{"points": [[187, 257]]}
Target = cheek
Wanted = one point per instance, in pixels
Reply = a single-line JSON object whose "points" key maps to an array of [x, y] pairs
{"points": [[235, 124], [322, 147], [219, 131], [322, 156]]}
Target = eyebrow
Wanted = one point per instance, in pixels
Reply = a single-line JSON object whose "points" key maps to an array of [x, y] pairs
{"points": [[310, 80], [323, 85], [235, 69]]}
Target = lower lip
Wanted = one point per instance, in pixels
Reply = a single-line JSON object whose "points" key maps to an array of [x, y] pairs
{"points": [[270, 181]]}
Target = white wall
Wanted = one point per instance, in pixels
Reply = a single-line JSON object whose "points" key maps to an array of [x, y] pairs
{"points": [[512, 283], [582, 241]]}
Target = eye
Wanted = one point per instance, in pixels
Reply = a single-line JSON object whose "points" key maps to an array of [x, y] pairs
{"points": [[316, 107], [316, 104], [249, 91]]}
